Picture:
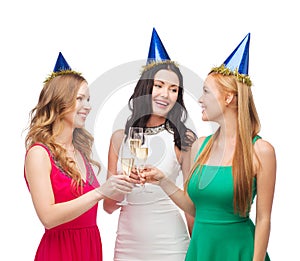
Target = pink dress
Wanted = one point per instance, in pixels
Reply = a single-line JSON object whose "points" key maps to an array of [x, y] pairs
{"points": [[76, 240]]}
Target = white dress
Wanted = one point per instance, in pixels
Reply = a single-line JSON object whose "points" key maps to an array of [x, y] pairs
{"points": [[151, 227]]}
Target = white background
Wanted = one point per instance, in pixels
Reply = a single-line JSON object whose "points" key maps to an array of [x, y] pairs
{"points": [[96, 36]]}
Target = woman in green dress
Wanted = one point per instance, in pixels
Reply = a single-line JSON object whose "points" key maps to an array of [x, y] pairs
{"points": [[230, 168]]}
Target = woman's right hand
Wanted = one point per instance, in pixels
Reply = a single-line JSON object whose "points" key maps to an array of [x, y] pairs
{"points": [[116, 186], [152, 175], [155, 176]]}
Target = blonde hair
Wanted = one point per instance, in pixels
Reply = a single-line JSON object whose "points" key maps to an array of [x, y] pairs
{"points": [[58, 98], [247, 128]]}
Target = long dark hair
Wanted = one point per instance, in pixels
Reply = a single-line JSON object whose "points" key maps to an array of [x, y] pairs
{"points": [[140, 104]]}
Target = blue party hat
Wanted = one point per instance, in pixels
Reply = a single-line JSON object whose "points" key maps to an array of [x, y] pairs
{"points": [[239, 58], [61, 67], [237, 62], [61, 64], [157, 52]]}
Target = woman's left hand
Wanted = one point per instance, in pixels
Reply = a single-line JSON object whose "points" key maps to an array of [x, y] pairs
{"points": [[134, 176]]}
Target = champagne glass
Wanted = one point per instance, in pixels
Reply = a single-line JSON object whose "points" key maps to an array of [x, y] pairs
{"points": [[141, 156], [127, 162], [135, 135]]}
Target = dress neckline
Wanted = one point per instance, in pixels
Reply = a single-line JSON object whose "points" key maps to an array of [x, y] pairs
{"points": [[157, 129], [218, 166]]}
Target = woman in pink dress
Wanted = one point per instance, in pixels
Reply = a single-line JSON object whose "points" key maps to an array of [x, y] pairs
{"points": [[58, 170]]}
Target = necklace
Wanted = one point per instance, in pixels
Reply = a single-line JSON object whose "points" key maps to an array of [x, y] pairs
{"points": [[158, 129]]}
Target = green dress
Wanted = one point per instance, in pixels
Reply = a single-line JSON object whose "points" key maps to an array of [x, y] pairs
{"points": [[218, 234]]}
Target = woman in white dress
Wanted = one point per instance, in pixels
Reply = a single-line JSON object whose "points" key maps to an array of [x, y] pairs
{"points": [[151, 226]]}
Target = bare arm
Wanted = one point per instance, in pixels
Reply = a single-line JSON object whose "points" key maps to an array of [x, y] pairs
{"points": [[185, 167], [186, 160], [266, 176], [180, 197], [187, 164], [109, 205], [38, 168], [51, 214]]}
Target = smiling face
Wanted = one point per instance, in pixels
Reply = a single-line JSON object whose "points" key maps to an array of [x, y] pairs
{"points": [[165, 92], [76, 118], [212, 101]]}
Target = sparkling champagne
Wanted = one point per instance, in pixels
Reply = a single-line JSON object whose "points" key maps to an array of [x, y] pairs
{"points": [[134, 144], [141, 153], [127, 164]]}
